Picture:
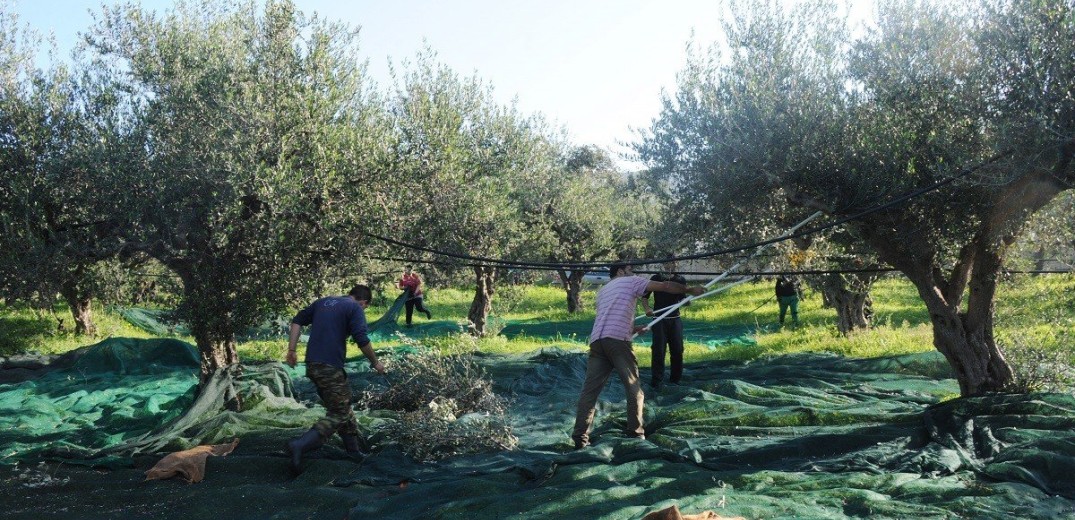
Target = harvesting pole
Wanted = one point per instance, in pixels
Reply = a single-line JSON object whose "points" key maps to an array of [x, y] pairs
{"points": [[664, 312]]}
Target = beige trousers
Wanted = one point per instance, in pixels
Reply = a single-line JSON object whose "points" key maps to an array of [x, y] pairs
{"points": [[606, 355]]}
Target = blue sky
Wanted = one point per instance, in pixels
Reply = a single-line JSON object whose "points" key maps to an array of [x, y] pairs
{"points": [[596, 67]]}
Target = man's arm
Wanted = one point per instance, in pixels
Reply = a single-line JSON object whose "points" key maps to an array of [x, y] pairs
{"points": [[645, 304], [359, 333], [293, 344], [673, 288], [367, 350]]}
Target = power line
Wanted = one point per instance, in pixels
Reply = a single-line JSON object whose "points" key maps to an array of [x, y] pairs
{"points": [[585, 265]]}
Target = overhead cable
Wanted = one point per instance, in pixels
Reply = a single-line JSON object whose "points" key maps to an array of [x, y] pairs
{"points": [[585, 265]]}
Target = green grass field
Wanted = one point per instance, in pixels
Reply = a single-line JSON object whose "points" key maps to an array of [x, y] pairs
{"points": [[1033, 310]]}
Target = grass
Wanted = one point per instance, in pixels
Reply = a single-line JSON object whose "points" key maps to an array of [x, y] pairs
{"points": [[23, 329], [1034, 309]]}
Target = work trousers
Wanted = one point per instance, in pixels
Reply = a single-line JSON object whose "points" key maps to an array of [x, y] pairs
{"points": [[606, 355], [415, 302], [335, 392], [667, 334], [787, 302]]}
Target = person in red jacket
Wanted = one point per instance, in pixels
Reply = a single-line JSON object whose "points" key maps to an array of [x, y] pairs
{"points": [[412, 285]]}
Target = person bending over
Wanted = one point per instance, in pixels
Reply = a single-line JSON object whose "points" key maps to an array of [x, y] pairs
{"points": [[412, 286], [331, 320]]}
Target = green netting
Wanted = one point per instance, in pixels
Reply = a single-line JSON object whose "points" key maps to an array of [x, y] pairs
{"points": [[154, 321], [384, 329], [579, 330], [804, 436], [164, 323], [160, 322], [123, 397]]}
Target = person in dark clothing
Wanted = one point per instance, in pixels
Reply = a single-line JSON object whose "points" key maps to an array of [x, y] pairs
{"points": [[412, 286], [787, 295], [667, 333], [331, 320]]}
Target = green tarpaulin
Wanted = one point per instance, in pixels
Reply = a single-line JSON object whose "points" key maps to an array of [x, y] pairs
{"points": [[804, 436]]}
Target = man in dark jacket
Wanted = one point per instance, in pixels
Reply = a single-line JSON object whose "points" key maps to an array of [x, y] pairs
{"points": [[331, 320], [667, 333], [787, 295]]}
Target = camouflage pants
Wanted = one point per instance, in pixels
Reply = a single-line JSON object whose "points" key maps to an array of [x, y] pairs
{"points": [[335, 392]]}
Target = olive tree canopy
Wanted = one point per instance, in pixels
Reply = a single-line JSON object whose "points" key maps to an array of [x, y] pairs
{"points": [[800, 113]]}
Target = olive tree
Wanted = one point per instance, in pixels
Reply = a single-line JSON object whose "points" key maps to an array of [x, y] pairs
{"points": [[963, 118], [586, 211], [60, 132], [740, 112], [461, 161], [259, 138]]}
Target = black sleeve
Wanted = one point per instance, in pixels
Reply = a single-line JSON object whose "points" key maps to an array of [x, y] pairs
{"points": [[654, 278]]}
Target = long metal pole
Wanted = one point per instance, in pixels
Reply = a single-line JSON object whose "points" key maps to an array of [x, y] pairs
{"points": [[668, 310]]}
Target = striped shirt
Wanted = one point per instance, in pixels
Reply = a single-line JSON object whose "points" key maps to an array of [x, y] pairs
{"points": [[616, 308]]}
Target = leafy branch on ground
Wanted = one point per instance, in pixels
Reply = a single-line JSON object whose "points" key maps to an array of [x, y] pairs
{"points": [[446, 402]]}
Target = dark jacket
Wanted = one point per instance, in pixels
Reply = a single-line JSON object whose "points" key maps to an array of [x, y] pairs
{"points": [[786, 287]]}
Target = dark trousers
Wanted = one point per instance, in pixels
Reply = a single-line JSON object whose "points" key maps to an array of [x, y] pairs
{"points": [[415, 302], [789, 302], [667, 333]]}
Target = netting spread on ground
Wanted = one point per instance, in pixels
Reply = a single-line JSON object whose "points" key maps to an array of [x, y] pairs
{"points": [[806, 436], [163, 323]]}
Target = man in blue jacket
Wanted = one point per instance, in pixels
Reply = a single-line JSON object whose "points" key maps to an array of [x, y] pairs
{"points": [[331, 320]]}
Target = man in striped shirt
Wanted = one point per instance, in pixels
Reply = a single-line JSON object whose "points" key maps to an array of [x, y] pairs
{"points": [[610, 347]]}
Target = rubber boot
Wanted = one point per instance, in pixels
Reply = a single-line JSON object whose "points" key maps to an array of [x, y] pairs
{"points": [[351, 444], [310, 440]]}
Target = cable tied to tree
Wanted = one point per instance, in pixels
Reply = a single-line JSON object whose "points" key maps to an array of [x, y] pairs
{"points": [[498, 262]]}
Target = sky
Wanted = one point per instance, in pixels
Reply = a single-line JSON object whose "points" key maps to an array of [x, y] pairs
{"points": [[595, 67]]}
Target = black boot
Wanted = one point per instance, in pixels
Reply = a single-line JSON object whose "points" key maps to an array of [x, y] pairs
{"points": [[429, 315], [351, 444], [310, 440]]}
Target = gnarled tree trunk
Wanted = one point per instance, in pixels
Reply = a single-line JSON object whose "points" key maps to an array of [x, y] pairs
{"points": [[853, 310], [483, 298], [210, 323], [966, 338], [79, 302], [573, 285], [216, 349], [850, 296]]}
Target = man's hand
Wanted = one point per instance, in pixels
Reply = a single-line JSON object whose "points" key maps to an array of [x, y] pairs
{"points": [[641, 329], [695, 291], [292, 359], [379, 368], [649, 312]]}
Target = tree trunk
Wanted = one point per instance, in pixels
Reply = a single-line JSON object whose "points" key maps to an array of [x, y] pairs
{"points": [[1039, 259], [853, 311], [218, 353], [216, 348], [210, 322], [850, 296], [972, 352], [573, 286], [483, 298], [79, 302], [966, 339]]}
